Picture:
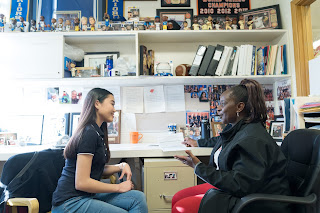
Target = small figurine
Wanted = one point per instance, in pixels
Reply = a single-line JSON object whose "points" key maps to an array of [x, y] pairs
{"points": [[164, 22], [106, 20], [53, 24], [68, 25], [241, 22], [92, 23], [173, 25], [250, 22], [60, 24], [234, 24], [22, 24], [84, 23], [147, 23], [195, 24], [33, 27], [228, 23], [76, 24], [42, 24], [73, 69], [209, 22], [157, 22], [2, 22], [185, 26], [217, 25], [13, 24]]}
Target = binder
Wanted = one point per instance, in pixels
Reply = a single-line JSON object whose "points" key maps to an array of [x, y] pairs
{"points": [[215, 60], [197, 60], [231, 61], [206, 60]]}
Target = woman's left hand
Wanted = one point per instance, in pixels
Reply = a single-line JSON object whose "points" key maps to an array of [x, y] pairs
{"points": [[189, 160], [126, 171]]}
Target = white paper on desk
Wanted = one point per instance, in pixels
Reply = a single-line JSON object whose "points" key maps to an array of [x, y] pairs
{"points": [[154, 99], [132, 99], [171, 142], [175, 98], [116, 93]]}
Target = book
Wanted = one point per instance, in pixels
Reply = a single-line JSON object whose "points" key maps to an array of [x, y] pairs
{"points": [[222, 62], [260, 61], [143, 60], [231, 61], [284, 59], [197, 60], [241, 60], [215, 60], [235, 63], [206, 60], [253, 60], [226, 64]]}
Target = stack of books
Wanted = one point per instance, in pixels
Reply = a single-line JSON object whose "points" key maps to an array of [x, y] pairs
{"points": [[241, 60]]}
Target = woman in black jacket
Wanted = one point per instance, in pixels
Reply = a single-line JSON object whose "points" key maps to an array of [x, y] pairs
{"points": [[245, 159]]}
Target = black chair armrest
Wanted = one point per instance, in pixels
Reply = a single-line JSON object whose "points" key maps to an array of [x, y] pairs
{"points": [[310, 199]]}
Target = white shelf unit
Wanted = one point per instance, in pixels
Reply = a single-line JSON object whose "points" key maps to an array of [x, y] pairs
{"points": [[42, 55]]}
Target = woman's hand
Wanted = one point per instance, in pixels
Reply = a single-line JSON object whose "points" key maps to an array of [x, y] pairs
{"points": [[126, 171], [126, 186], [190, 142], [189, 160]]}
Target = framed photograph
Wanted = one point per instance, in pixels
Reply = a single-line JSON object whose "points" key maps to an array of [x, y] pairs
{"points": [[194, 118], [8, 138], [262, 18], [95, 59], [114, 129], [175, 3], [203, 96], [217, 128], [219, 22], [2, 141], [70, 15], [276, 129], [178, 15], [74, 120]]}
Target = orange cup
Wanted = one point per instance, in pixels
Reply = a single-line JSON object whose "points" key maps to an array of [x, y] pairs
{"points": [[135, 137]]}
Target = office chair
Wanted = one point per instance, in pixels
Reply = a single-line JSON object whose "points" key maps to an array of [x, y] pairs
{"points": [[29, 179], [302, 150]]}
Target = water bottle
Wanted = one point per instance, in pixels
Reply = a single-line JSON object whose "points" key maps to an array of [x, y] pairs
{"points": [[205, 129]]}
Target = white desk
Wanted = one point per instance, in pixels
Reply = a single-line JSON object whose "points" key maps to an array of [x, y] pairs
{"points": [[117, 151]]}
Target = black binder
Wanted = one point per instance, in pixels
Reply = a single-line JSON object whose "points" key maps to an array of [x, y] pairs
{"points": [[215, 60], [197, 60], [206, 60]]}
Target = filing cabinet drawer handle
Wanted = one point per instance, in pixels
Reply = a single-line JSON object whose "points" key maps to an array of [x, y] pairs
{"points": [[166, 196]]}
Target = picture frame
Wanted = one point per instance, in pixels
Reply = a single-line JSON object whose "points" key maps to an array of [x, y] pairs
{"points": [[276, 130], [262, 18], [178, 15], [9, 138], [74, 120], [175, 3], [71, 15], [114, 128], [217, 128], [95, 59], [221, 20], [2, 141]]}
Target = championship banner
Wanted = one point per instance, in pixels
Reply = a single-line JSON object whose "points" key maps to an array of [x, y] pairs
{"points": [[19, 8], [115, 9], [222, 7]]}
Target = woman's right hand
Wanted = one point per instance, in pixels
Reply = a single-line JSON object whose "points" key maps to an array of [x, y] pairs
{"points": [[190, 142], [126, 186]]}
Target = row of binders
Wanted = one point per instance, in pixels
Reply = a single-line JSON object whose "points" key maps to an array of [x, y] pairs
{"points": [[241, 60]]}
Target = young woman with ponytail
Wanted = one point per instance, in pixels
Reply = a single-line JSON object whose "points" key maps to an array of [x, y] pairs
{"points": [[245, 159], [79, 188]]}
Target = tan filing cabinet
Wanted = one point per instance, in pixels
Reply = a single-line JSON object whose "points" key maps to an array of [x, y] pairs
{"points": [[163, 177]]}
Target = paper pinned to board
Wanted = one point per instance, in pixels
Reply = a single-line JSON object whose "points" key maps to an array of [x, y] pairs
{"points": [[132, 99], [116, 94], [175, 98], [171, 142], [154, 100]]}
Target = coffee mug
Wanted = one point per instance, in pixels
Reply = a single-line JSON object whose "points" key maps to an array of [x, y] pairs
{"points": [[135, 137]]}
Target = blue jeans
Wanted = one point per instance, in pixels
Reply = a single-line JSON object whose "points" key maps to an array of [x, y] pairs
{"points": [[132, 201]]}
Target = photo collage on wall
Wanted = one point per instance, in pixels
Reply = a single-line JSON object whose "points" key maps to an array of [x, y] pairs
{"points": [[64, 95], [210, 94]]}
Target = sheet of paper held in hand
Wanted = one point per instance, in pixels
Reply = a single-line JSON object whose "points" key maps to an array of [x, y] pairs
{"points": [[171, 142]]}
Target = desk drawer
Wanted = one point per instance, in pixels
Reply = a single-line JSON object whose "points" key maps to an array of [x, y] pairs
{"points": [[163, 178]]}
